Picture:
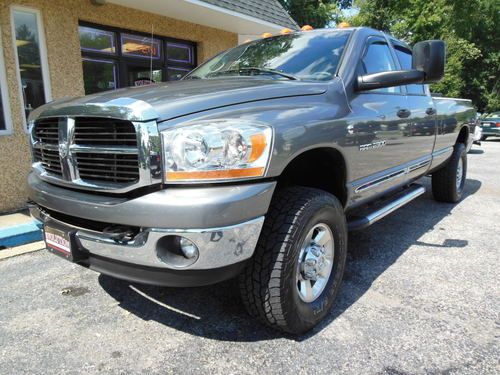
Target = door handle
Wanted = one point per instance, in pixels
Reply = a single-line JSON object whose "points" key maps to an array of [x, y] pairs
{"points": [[430, 111], [404, 113]]}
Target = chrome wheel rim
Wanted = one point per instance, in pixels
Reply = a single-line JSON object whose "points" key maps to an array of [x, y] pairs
{"points": [[315, 262], [460, 173]]}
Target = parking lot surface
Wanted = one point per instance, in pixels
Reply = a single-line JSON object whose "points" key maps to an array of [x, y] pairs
{"points": [[421, 296]]}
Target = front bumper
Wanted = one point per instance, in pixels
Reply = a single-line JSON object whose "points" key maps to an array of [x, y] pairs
{"points": [[223, 222]]}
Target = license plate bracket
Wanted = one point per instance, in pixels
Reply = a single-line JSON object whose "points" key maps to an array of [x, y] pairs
{"points": [[61, 240]]}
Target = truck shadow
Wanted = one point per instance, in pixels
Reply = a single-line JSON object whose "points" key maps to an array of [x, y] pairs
{"points": [[216, 312]]}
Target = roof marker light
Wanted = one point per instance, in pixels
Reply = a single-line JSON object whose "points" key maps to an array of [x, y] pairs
{"points": [[306, 28], [266, 35], [343, 25], [285, 31]]}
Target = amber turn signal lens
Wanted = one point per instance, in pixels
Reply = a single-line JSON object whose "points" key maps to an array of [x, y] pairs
{"points": [[306, 28], [215, 175], [258, 146], [266, 35]]}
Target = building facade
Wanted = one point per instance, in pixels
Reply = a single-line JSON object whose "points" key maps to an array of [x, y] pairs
{"points": [[50, 49]]}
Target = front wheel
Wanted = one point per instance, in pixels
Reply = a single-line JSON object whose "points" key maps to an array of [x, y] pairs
{"points": [[295, 274], [448, 182]]}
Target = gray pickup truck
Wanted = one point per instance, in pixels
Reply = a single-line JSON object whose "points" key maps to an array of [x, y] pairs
{"points": [[256, 165]]}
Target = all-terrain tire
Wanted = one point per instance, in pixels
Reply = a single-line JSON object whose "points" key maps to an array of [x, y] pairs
{"points": [[268, 284], [447, 183]]}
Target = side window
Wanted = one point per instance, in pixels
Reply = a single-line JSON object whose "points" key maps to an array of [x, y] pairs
{"points": [[31, 57], [404, 57], [378, 58], [5, 119]]}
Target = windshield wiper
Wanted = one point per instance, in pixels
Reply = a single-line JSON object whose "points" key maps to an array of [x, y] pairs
{"points": [[256, 70]]}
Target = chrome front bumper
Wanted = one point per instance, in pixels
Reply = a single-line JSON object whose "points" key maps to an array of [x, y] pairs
{"points": [[223, 222], [218, 247]]}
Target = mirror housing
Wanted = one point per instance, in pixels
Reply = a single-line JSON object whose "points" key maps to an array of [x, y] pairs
{"points": [[427, 67], [389, 79], [429, 57]]}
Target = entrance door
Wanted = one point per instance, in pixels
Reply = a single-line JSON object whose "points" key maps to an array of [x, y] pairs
{"points": [[141, 75]]}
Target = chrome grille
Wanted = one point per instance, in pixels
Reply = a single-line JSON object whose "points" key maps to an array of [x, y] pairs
{"points": [[46, 131], [105, 167], [108, 167], [88, 151], [96, 132], [49, 159]]}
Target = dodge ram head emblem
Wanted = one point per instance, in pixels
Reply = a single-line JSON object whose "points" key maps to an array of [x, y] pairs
{"points": [[63, 149]]}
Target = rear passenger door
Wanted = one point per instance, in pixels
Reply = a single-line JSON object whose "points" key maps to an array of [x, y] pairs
{"points": [[421, 131]]}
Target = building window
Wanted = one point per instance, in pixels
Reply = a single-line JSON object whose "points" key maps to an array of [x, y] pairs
{"points": [[114, 58], [5, 119], [31, 58], [99, 75], [94, 40]]}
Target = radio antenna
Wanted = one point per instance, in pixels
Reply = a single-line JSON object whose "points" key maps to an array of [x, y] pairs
{"points": [[151, 56]]}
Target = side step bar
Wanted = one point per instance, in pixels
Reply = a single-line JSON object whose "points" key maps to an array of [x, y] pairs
{"points": [[384, 208]]}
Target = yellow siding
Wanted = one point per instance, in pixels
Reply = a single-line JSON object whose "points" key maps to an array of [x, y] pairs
{"points": [[60, 21]]}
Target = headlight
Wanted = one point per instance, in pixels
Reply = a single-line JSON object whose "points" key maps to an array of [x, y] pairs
{"points": [[216, 150]]}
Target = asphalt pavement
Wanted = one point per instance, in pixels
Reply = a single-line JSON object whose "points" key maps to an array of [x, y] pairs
{"points": [[421, 296]]}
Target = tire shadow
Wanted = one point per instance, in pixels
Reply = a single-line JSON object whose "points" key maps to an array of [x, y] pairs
{"points": [[216, 312]]}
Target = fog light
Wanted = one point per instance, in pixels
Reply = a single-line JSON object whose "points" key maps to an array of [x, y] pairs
{"points": [[189, 249], [177, 251]]}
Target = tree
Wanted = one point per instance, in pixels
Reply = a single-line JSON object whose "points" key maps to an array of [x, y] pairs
{"points": [[317, 13], [469, 28]]}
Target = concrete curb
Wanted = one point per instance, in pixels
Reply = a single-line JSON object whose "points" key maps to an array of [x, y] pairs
{"points": [[20, 250], [20, 234]]}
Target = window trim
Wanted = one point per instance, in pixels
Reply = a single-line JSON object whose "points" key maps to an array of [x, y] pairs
{"points": [[372, 39], [4, 92], [398, 45], [47, 87], [122, 60]]}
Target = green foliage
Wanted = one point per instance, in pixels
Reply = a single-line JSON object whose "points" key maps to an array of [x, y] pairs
{"points": [[317, 13], [470, 29]]}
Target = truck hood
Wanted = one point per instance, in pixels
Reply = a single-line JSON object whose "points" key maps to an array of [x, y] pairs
{"points": [[173, 99]]}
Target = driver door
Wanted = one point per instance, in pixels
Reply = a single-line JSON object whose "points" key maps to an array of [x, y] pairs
{"points": [[378, 127]]}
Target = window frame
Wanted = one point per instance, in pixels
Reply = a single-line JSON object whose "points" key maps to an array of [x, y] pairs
{"points": [[42, 46], [123, 60], [4, 92], [372, 39], [401, 46]]}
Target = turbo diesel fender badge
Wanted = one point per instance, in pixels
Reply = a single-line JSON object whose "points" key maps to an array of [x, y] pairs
{"points": [[371, 146]]}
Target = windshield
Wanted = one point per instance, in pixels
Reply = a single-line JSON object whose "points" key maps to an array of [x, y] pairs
{"points": [[491, 115], [305, 55]]}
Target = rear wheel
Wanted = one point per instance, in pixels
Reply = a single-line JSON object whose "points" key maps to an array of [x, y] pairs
{"points": [[295, 274], [448, 182]]}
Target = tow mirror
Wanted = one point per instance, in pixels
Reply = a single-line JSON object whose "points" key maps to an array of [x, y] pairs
{"points": [[429, 57], [389, 79], [427, 67]]}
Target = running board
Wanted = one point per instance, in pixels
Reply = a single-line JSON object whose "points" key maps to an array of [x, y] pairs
{"points": [[384, 208]]}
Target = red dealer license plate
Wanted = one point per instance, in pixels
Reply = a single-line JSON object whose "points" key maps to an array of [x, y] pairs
{"points": [[58, 240]]}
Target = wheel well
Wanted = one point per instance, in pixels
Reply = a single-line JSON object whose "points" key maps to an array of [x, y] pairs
{"points": [[463, 136], [322, 168]]}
